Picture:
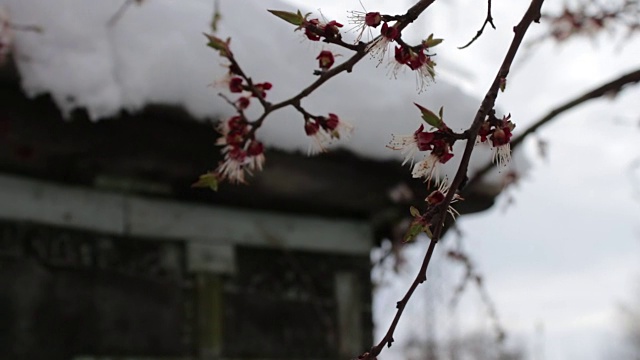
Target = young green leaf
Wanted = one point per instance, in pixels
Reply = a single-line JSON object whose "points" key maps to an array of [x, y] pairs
{"points": [[414, 230], [429, 117], [414, 212], [208, 180], [431, 42], [427, 231], [218, 44], [291, 18]]}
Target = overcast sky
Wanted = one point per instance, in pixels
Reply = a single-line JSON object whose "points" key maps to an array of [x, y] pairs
{"points": [[566, 252]]}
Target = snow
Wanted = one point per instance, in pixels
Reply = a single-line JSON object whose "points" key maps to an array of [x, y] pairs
{"points": [[156, 53]]}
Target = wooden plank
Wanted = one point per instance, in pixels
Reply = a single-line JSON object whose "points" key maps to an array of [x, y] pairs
{"points": [[24, 199]]}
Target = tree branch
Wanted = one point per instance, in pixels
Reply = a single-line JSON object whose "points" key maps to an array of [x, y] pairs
{"points": [[611, 87], [532, 14]]}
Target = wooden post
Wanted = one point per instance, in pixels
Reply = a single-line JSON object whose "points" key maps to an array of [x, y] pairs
{"points": [[348, 299], [209, 315]]}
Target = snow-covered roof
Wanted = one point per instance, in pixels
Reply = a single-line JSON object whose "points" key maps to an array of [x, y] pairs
{"points": [[156, 53]]}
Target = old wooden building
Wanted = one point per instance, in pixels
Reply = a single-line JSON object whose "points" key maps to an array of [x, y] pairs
{"points": [[107, 252]]}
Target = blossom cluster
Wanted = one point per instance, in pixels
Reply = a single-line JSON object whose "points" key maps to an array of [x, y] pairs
{"points": [[590, 18], [242, 153], [324, 130], [315, 30], [417, 59], [364, 21], [498, 132], [438, 143]]}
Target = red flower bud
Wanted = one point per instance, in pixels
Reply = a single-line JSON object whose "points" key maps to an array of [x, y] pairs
{"points": [[311, 128], [332, 122], [402, 55], [501, 136], [255, 148], [307, 30], [424, 140], [372, 19], [332, 29], [435, 198], [235, 85], [236, 124], [389, 32], [237, 154], [262, 87], [325, 59], [243, 102]]}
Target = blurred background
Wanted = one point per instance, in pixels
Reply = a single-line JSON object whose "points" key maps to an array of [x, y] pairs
{"points": [[107, 115]]}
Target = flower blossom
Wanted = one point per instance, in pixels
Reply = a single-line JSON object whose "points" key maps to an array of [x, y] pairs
{"points": [[410, 144], [256, 158], [243, 102], [429, 167], [363, 21], [417, 60], [262, 88], [379, 47], [499, 132], [232, 133], [242, 153], [324, 130], [235, 85], [438, 142], [325, 60], [232, 168], [329, 29], [501, 142], [437, 196]]}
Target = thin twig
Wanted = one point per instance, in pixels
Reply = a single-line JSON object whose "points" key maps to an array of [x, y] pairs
{"points": [[119, 13], [472, 274], [29, 28], [487, 20]]}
